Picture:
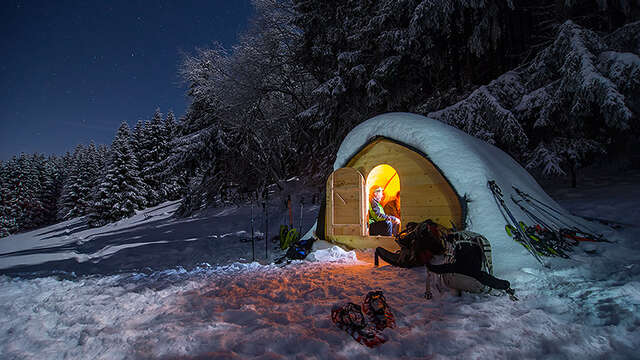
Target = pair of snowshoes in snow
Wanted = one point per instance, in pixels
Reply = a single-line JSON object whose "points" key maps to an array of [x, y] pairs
{"points": [[365, 324]]}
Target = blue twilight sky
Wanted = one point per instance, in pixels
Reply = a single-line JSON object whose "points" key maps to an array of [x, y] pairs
{"points": [[72, 71]]}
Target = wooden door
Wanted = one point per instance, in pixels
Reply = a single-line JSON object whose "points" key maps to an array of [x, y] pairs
{"points": [[345, 203]]}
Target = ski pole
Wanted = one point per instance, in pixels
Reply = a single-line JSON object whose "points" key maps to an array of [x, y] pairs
{"points": [[266, 224], [253, 241], [561, 233], [541, 210], [301, 208], [525, 195], [290, 212], [497, 196], [558, 240], [574, 228], [532, 216], [264, 212]]}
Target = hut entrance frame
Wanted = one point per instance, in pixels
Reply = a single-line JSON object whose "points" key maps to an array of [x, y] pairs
{"points": [[386, 177], [426, 193]]}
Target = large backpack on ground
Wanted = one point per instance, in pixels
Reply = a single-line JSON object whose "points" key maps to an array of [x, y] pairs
{"points": [[419, 238], [456, 241]]}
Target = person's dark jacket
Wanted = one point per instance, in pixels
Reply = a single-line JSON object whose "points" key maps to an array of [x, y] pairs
{"points": [[468, 261]]}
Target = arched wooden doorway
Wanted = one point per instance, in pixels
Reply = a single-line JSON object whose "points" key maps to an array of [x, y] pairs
{"points": [[426, 193], [386, 177]]}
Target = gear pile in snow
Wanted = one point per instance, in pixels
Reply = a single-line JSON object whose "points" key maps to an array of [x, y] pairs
{"points": [[512, 227], [552, 233], [297, 251], [553, 220], [288, 236]]}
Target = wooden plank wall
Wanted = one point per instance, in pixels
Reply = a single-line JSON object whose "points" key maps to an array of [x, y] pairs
{"points": [[425, 193]]}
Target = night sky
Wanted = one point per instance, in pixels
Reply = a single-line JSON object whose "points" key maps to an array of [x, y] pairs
{"points": [[72, 71]]}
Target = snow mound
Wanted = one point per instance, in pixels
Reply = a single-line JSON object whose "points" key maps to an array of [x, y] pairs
{"points": [[334, 254], [468, 164]]}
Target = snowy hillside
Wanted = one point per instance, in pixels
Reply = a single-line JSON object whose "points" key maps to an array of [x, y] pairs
{"points": [[586, 307], [152, 239]]}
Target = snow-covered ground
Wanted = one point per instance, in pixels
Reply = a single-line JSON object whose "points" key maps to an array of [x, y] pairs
{"points": [[154, 239], [586, 308]]}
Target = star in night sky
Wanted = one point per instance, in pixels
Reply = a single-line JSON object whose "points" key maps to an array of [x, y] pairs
{"points": [[72, 71]]}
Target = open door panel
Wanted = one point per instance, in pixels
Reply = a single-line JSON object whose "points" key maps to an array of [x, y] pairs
{"points": [[345, 203]]}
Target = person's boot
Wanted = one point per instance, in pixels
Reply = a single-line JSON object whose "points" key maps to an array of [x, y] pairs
{"points": [[512, 294], [428, 294]]}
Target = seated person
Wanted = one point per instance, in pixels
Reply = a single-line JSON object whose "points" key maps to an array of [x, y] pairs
{"points": [[379, 222]]}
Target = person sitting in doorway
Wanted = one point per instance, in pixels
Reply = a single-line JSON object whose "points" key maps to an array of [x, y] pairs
{"points": [[379, 222], [392, 207]]}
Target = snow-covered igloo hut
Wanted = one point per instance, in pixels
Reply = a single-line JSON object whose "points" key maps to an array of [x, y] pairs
{"points": [[442, 174]]}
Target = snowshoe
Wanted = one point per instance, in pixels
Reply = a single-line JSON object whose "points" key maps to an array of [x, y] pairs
{"points": [[377, 310], [348, 315], [349, 318], [288, 236]]}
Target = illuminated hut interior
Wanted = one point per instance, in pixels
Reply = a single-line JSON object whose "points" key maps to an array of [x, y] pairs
{"points": [[386, 177], [425, 193]]}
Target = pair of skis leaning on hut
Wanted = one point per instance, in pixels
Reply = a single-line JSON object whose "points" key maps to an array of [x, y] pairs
{"points": [[467, 255]]}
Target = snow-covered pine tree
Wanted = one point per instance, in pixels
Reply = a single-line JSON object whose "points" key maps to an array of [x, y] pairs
{"points": [[389, 55], [103, 156], [242, 120], [194, 197], [91, 173], [71, 203], [44, 198], [169, 130], [137, 137], [174, 184], [30, 189], [141, 144], [51, 180], [14, 209], [65, 165], [120, 192], [487, 114], [8, 224], [190, 149], [82, 176], [572, 100], [152, 155], [21, 189]]}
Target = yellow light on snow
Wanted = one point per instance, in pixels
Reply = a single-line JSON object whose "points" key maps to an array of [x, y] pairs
{"points": [[384, 175]]}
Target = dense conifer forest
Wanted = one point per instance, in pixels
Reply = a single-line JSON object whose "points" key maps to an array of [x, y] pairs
{"points": [[555, 83]]}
